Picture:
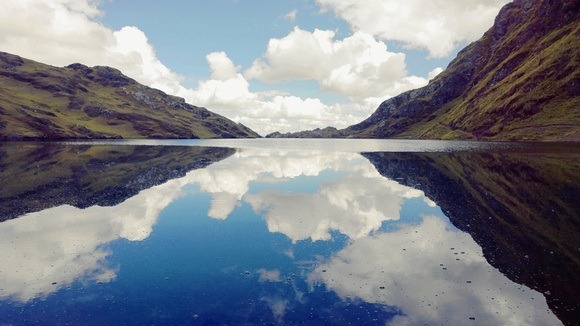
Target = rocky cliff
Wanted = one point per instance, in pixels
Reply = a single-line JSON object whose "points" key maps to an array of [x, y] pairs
{"points": [[38, 101], [520, 81]]}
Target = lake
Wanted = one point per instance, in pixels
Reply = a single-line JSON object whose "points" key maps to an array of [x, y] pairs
{"points": [[396, 232]]}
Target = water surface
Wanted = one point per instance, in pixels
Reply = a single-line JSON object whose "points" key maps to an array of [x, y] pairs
{"points": [[289, 231]]}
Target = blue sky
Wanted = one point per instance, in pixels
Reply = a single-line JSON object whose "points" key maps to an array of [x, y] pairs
{"points": [[274, 65], [232, 27]]}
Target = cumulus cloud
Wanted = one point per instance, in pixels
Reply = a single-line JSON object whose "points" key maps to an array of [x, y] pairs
{"points": [[60, 32], [357, 67], [435, 72], [437, 26], [434, 275], [222, 67]]}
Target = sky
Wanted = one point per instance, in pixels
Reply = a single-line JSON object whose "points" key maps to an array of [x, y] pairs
{"points": [[273, 65]]}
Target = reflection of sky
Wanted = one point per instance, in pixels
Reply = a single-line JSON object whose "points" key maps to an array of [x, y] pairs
{"points": [[435, 275], [64, 243], [283, 228]]}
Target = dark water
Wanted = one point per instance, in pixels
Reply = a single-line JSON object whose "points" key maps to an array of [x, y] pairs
{"points": [[289, 232]]}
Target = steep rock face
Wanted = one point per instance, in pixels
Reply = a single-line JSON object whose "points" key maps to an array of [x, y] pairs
{"points": [[38, 101], [520, 81]]}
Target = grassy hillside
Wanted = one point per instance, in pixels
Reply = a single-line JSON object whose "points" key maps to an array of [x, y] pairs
{"points": [[532, 94], [520, 81], [38, 101]]}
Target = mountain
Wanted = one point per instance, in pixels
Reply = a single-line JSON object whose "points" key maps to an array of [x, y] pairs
{"points": [[43, 102], [521, 208], [35, 177], [520, 81]]}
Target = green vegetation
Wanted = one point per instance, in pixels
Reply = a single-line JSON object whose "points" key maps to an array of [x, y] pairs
{"points": [[532, 102], [38, 101], [523, 85], [520, 81]]}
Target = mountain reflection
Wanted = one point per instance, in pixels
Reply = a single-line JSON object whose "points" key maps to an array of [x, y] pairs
{"points": [[431, 238], [39, 176], [46, 250], [521, 208]]}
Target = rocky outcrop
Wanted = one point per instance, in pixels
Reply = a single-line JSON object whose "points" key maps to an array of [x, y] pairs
{"points": [[38, 101]]}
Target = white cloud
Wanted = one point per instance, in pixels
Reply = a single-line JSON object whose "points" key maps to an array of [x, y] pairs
{"points": [[360, 68], [228, 93], [222, 67], [357, 67], [291, 16], [434, 73], [437, 26], [434, 275]]}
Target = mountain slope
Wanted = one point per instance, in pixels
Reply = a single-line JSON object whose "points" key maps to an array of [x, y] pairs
{"points": [[520, 81], [39, 101]]}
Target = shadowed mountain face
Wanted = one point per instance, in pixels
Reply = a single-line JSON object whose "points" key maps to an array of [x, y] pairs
{"points": [[520, 81], [39, 101], [522, 209], [39, 176]]}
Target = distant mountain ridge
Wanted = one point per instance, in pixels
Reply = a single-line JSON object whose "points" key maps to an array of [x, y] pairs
{"points": [[520, 81], [42, 102]]}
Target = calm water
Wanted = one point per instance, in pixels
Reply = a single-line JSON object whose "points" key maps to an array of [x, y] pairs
{"points": [[289, 232]]}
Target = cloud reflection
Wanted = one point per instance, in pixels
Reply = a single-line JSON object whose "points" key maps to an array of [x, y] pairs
{"points": [[47, 250], [229, 180], [265, 275], [429, 271], [354, 205], [434, 275]]}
